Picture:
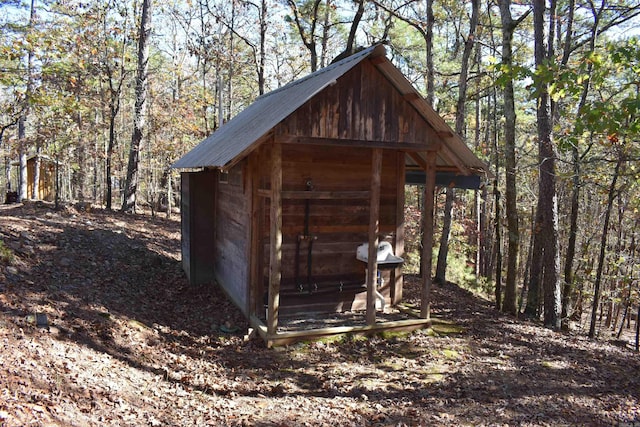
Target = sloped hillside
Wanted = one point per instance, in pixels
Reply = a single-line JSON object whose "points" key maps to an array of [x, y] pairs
{"points": [[123, 340]]}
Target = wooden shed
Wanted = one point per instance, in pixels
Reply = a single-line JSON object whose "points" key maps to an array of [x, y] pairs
{"points": [[276, 202], [46, 182]]}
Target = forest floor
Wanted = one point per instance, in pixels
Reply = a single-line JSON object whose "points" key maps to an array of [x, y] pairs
{"points": [[128, 342]]}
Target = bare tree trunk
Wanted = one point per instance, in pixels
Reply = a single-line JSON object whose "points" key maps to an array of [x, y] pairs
{"points": [[131, 185], [111, 144], [22, 149], [263, 35], [22, 159], [443, 250], [431, 83], [96, 162], [498, 289], [568, 293], [548, 202], [478, 202], [7, 160], [638, 329], [308, 39], [441, 268], [603, 248], [511, 196], [203, 60], [169, 194], [7, 172]]}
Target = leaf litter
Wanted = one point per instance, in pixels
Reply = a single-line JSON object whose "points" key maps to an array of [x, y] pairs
{"points": [[129, 342]]}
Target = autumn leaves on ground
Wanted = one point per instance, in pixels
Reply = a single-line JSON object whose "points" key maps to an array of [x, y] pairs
{"points": [[130, 343]]}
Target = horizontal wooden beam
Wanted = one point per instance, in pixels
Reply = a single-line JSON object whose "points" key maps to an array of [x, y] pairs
{"points": [[384, 228], [327, 195], [357, 143], [318, 195], [286, 338]]}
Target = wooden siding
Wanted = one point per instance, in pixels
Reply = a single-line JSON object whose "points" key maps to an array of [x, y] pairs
{"points": [[362, 105], [232, 236], [198, 229], [338, 225]]}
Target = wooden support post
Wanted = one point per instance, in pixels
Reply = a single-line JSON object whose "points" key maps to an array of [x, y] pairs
{"points": [[275, 253], [374, 211], [398, 246], [427, 234]]}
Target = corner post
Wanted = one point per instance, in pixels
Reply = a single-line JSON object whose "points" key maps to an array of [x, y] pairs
{"points": [[398, 246], [374, 211], [275, 243], [427, 234]]}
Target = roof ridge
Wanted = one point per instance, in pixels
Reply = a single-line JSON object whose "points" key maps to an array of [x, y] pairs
{"points": [[356, 56]]}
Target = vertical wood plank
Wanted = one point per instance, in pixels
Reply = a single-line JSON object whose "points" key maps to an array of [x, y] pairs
{"points": [[374, 211], [427, 236], [254, 234], [275, 258], [396, 278]]}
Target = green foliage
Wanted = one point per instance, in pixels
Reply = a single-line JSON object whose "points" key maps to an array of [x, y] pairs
{"points": [[506, 73], [458, 269], [612, 110]]}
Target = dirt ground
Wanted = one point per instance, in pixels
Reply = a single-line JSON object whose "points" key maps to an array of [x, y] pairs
{"points": [[126, 341]]}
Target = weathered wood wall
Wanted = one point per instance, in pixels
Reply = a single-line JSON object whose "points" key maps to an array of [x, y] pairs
{"points": [[232, 237], [198, 191], [336, 225], [363, 106]]}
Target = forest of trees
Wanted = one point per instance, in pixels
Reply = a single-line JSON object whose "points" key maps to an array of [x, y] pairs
{"points": [[546, 92]]}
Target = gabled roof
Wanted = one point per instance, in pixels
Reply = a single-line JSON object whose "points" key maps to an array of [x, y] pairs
{"points": [[237, 137]]}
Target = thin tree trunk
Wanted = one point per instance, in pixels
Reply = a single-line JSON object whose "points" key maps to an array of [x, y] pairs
{"points": [[7, 160], [498, 289], [114, 102], [638, 329], [568, 293], [204, 58], [169, 194], [510, 296], [603, 248], [441, 268], [624, 318], [478, 202], [110, 146], [548, 202], [22, 148], [263, 35], [308, 39], [443, 251], [131, 185], [22, 159], [527, 267], [428, 38], [57, 182]]}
